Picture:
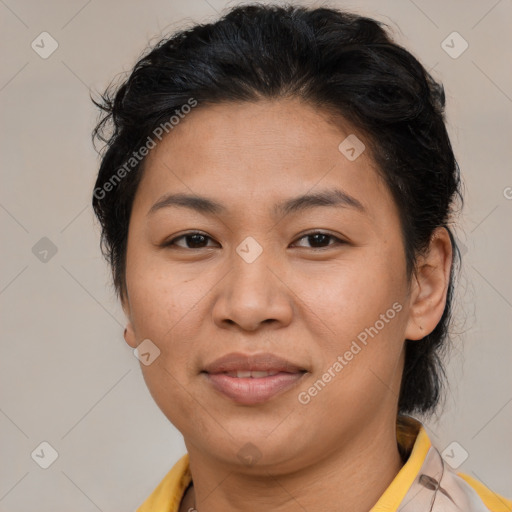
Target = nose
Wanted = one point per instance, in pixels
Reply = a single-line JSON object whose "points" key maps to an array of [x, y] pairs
{"points": [[254, 292]]}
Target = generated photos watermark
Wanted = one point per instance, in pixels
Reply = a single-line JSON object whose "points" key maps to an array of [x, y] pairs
{"points": [[139, 155], [341, 361]]}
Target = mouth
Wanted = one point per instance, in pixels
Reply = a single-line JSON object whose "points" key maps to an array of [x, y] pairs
{"points": [[252, 379], [242, 374]]}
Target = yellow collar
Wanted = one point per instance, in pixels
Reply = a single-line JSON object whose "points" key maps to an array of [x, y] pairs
{"points": [[412, 440]]}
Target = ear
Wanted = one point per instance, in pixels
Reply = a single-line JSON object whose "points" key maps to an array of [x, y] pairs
{"points": [[129, 332], [430, 286]]}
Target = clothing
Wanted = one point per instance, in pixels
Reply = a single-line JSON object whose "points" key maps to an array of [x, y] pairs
{"points": [[426, 483]]}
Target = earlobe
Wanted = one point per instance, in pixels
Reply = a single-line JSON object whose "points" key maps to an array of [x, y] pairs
{"points": [[129, 335], [432, 278], [129, 332]]}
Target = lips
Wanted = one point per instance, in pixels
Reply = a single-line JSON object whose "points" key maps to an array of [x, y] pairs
{"points": [[238, 362], [252, 379]]}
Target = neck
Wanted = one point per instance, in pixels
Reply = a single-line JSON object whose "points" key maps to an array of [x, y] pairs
{"points": [[351, 477]]}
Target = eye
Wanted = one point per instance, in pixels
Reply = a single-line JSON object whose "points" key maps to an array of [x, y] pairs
{"points": [[193, 240], [197, 240], [320, 238]]}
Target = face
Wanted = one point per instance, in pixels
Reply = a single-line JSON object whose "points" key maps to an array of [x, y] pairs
{"points": [[320, 284]]}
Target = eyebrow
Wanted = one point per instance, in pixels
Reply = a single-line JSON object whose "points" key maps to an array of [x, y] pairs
{"points": [[329, 197]]}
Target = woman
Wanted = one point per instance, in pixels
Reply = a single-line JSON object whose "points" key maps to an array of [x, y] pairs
{"points": [[275, 201]]}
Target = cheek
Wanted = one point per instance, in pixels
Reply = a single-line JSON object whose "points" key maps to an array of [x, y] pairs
{"points": [[363, 306], [351, 295], [164, 313], [160, 295]]}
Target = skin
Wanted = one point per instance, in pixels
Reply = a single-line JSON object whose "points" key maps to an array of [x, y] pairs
{"points": [[339, 451]]}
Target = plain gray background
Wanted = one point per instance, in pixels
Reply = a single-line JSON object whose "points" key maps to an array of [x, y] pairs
{"points": [[67, 376]]}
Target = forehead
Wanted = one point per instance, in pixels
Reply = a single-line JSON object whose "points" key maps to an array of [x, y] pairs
{"points": [[259, 152], [287, 125]]}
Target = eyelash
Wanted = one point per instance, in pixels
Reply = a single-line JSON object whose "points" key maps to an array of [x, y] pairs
{"points": [[170, 243]]}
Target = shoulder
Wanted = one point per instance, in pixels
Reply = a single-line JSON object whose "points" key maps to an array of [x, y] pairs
{"points": [[438, 488], [494, 502], [427, 482]]}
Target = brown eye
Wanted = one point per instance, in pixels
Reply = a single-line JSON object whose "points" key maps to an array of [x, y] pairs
{"points": [[320, 240], [193, 240]]}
